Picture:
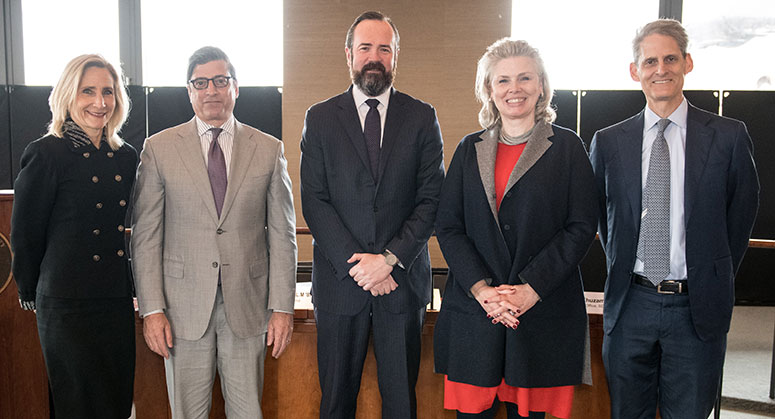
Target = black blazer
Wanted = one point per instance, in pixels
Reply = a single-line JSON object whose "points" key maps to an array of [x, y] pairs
{"points": [[720, 203], [67, 226], [347, 212], [543, 229]]}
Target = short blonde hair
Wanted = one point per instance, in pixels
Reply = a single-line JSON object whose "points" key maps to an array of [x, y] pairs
{"points": [[501, 49], [64, 94]]}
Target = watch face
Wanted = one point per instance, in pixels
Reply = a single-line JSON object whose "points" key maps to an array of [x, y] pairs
{"points": [[391, 259]]}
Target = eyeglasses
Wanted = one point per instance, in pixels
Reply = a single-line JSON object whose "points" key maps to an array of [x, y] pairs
{"points": [[202, 83]]}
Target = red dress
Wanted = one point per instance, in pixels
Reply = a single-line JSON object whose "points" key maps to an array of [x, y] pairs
{"points": [[468, 398]]}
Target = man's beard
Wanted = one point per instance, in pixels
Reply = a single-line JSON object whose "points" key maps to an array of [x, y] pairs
{"points": [[373, 84]]}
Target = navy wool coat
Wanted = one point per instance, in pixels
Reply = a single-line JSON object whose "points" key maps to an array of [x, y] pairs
{"points": [[545, 225]]}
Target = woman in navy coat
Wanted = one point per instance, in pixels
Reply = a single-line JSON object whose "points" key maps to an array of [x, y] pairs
{"points": [[516, 216], [67, 233]]}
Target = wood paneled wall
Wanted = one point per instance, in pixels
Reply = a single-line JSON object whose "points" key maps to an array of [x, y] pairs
{"points": [[441, 42]]}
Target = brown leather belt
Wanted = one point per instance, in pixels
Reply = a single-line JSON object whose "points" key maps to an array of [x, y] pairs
{"points": [[667, 286]]}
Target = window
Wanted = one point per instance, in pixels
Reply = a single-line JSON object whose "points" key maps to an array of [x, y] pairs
{"points": [[584, 44], [55, 32], [249, 32], [731, 44]]}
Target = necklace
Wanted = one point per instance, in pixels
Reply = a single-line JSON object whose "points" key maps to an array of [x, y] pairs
{"points": [[517, 139]]}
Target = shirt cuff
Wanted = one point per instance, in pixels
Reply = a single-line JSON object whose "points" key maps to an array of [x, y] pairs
{"points": [[27, 305], [282, 311], [152, 312]]}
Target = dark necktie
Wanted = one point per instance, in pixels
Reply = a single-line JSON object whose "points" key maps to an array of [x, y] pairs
{"points": [[216, 170], [372, 128], [654, 239]]}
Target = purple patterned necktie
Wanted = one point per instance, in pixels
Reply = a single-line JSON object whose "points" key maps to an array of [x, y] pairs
{"points": [[654, 239], [216, 170], [372, 128]]}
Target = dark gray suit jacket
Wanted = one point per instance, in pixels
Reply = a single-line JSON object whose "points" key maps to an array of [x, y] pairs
{"points": [[720, 204], [348, 212]]}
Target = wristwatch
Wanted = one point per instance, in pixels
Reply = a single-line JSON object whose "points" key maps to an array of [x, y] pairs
{"points": [[390, 258]]}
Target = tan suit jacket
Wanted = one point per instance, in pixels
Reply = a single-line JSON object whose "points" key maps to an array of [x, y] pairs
{"points": [[179, 244]]}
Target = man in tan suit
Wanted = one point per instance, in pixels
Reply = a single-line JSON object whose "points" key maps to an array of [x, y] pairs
{"points": [[214, 247]]}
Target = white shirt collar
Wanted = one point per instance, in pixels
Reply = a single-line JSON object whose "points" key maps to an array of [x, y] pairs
{"points": [[202, 127], [678, 116], [360, 97]]}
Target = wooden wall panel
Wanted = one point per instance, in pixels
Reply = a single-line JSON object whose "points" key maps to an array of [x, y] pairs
{"points": [[441, 42], [23, 382]]}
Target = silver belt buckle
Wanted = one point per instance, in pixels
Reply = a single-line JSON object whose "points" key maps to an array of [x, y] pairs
{"points": [[660, 291]]}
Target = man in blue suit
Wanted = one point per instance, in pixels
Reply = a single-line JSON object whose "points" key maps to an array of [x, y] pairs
{"points": [[679, 194], [371, 173]]}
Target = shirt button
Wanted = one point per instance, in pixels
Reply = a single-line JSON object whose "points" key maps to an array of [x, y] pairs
{"points": [[96, 231], [110, 154], [86, 155], [120, 253], [219, 231], [215, 264], [506, 227], [120, 227], [99, 205], [95, 179], [122, 203], [96, 258], [118, 178]]}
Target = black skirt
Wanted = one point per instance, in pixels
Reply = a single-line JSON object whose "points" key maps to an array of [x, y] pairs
{"points": [[89, 349]]}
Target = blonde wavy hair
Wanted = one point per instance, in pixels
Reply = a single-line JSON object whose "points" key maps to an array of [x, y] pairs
{"points": [[64, 94], [499, 50]]}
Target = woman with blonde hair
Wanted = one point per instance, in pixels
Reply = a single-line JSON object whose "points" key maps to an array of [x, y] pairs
{"points": [[517, 213], [67, 234]]}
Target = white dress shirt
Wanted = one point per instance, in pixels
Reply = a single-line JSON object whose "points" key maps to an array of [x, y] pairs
{"points": [[225, 139], [675, 135], [360, 103]]}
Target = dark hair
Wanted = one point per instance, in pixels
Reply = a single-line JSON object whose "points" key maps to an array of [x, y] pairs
{"points": [[370, 15], [206, 54]]}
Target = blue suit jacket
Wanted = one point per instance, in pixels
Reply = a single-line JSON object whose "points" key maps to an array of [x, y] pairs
{"points": [[720, 203], [348, 212]]}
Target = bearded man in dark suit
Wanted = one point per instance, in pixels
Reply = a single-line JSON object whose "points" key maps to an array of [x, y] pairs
{"points": [[371, 172]]}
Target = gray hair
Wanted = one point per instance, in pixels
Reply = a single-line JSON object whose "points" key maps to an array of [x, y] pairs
{"points": [[507, 48], [666, 27], [206, 54], [370, 15]]}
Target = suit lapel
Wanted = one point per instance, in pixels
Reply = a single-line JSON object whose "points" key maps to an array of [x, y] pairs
{"points": [[630, 145], [487, 150], [393, 130], [485, 159], [348, 117], [534, 149], [190, 150], [241, 156], [699, 139]]}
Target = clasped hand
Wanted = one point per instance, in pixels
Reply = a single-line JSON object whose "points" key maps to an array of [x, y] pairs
{"points": [[504, 304], [372, 273]]}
